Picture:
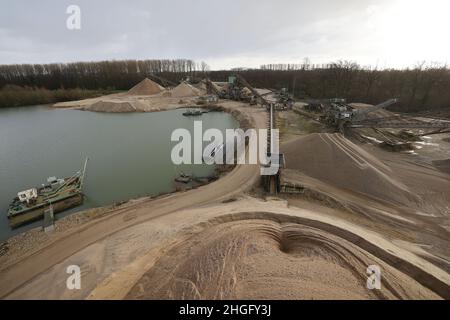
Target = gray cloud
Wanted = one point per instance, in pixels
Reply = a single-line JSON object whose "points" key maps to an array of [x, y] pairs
{"points": [[224, 33]]}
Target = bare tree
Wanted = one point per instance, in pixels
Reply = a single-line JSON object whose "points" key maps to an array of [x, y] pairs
{"points": [[343, 74], [371, 75]]}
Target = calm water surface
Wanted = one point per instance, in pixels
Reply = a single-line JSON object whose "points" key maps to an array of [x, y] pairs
{"points": [[129, 153]]}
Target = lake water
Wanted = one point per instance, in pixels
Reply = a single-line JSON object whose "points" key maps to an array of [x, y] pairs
{"points": [[129, 154]]}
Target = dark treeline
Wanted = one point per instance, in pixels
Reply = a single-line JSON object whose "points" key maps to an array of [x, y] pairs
{"points": [[16, 96], [110, 75], [425, 86]]}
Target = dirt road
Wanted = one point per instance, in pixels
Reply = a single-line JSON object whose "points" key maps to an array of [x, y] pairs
{"points": [[241, 249], [218, 242], [240, 179]]}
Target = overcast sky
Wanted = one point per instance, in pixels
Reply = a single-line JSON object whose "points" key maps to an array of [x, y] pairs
{"points": [[228, 33]]}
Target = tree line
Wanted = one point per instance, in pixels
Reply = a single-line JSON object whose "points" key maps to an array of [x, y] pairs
{"points": [[111, 75], [424, 86]]}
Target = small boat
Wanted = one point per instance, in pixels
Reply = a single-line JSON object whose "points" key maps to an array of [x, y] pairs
{"points": [[191, 113], [57, 195], [184, 178]]}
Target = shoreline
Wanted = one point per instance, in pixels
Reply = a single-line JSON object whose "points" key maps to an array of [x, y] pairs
{"points": [[143, 235], [26, 243]]}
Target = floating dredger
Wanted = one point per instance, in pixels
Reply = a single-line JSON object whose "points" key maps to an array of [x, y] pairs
{"points": [[57, 195]]}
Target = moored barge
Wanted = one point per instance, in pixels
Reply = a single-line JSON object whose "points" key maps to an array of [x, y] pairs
{"points": [[57, 195]]}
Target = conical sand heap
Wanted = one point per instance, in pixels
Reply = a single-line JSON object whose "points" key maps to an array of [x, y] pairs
{"points": [[117, 106], [146, 87], [185, 90], [339, 162]]}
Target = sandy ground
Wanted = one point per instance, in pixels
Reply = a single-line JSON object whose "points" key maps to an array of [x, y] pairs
{"points": [[146, 96], [256, 256], [225, 241], [16, 272], [122, 102], [248, 248]]}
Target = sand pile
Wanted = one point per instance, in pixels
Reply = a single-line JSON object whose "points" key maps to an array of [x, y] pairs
{"points": [[262, 259], [333, 159], [201, 86], [116, 106], [246, 91], [185, 90], [146, 87]]}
